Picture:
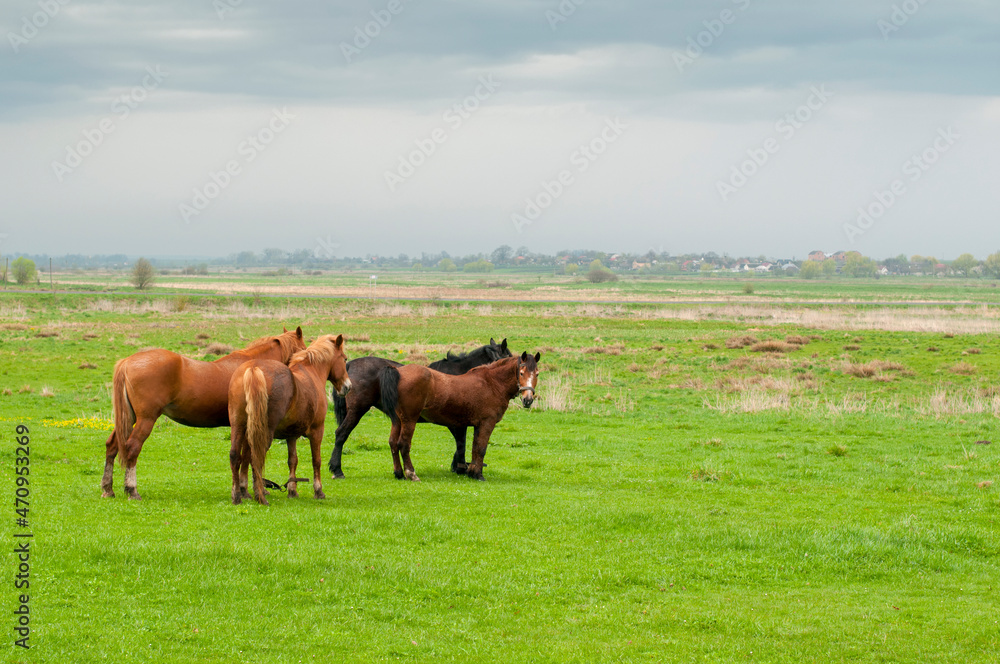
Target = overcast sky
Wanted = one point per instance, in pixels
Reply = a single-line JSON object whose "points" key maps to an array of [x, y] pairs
{"points": [[206, 127]]}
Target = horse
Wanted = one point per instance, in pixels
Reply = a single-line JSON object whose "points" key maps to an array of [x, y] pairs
{"points": [[479, 398], [364, 373], [190, 392], [269, 400]]}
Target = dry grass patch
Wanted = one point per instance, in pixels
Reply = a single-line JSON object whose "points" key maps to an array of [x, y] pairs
{"points": [[945, 404], [971, 351], [218, 348], [773, 346], [873, 369], [985, 484], [25, 389], [635, 367], [87, 365], [964, 369], [202, 335], [47, 392], [740, 341], [797, 339], [557, 395], [751, 401], [933, 349], [710, 347], [45, 334], [617, 349]]}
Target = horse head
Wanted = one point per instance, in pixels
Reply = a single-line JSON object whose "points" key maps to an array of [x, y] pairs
{"points": [[527, 377]]}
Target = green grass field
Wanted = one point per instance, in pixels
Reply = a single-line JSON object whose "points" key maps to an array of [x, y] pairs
{"points": [[668, 499]]}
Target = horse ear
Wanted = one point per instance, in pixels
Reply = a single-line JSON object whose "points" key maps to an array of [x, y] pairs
{"points": [[339, 341], [284, 329], [298, 331], [538, 356], [524, 356], [492, 342], [503, 344]]}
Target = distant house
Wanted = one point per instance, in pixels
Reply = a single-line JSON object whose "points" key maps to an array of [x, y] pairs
{"points": [[883, 271], [636, 265], [817, 256], [790, 267], [840, 257], [763, 267]]}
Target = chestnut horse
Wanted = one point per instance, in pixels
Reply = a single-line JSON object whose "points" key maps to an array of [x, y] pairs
{"points": [[479, 398], [191, 392], [269, 400], [364, 373]]}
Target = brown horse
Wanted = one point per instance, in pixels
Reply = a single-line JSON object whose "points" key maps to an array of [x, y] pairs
{"points": [[269, 400], [479, 398], [191, 392]]}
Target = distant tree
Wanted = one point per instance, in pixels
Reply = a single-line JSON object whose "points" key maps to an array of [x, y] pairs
{"points": [[418, 266], [272, 256], [829, 267], [859, 266], [571, 269], [502, 254], [478, 266], [246, 258], [23, 270], [599, 274], [447, 265], [810, 270], [706, 267], [992, 265], [143, 274], [965, 263], [523, 251]]}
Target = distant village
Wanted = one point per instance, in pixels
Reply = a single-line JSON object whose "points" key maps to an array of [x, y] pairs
{"points": [[816, 264]]}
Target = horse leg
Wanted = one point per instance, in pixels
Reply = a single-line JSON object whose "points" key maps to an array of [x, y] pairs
{"points": [[397, 467], [143, 427], [107, 482], [481, 438], [245, 471], [344, 430], [315, 446], [405, 440], [293, 463], [458, 464], [237, 441], [259, 494]]}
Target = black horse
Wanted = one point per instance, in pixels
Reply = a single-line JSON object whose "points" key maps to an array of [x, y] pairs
{"points": [[366, 391]]}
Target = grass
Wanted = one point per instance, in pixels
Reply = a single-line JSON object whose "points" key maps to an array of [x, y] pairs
{"points": [[695, 509]]}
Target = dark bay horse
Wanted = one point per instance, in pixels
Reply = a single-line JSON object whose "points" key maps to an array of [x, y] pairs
{"points": [[479, 398], [366, 394], [269, 400], [191, 392]]}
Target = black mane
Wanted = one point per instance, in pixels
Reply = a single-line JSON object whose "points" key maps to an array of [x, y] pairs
{"points": [[462, 362]]}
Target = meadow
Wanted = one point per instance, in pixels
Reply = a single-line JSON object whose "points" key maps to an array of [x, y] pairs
{"points": [[748, 480]]}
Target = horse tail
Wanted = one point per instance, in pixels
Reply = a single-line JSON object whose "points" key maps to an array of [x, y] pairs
{"points": [[124, 414], [255, 391], [339, 407], [388, 379]]}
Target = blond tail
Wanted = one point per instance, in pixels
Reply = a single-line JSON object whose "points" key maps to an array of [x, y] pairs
{"points": [[255, 390], [123, 413]]}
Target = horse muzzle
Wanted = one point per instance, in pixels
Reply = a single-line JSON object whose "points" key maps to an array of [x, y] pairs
{"points": [[345, 388], [527, 397]]}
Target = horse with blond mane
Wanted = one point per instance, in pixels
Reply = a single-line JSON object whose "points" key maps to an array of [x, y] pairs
{"points": [[268, 400], [190, 392]]}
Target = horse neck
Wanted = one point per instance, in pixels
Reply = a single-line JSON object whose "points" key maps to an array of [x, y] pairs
{"points": [[316, 374], [503, 375], [268, 351]]}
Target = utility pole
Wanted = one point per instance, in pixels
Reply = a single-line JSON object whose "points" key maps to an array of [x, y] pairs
{"points": [[51, 287]]}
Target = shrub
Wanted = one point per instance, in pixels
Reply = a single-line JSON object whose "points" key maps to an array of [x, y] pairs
{"points": [[143, 274], [773, 346], [740, 341], [23, 270]]}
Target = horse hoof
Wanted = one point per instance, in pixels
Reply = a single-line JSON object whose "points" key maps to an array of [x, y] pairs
{"points": [[398, 475], [108, 494], [319, 495], [337, 475], [134, 496], [412, 476], [460, 469], [237, 500], [292, 493]]}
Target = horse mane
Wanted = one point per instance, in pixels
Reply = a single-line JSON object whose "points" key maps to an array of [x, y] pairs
{"points": [[284, 340], [320, 351], [493, 366]]}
